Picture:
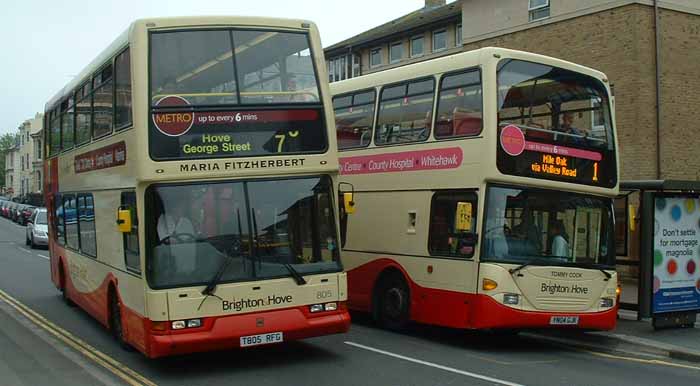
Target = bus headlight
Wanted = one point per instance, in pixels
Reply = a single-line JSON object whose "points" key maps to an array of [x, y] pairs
{"points": [[316, 308], [606, 302], [511, 299], [193, 323], [331, 306], [178, 325]]}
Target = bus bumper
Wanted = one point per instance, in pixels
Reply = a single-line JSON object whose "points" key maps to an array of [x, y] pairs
{"points": [[489, 314], [224, 332]]}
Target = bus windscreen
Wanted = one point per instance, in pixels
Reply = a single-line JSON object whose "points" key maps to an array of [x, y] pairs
{"points": [[233, 93], [547, 227], [259, 226], [554, 124]]}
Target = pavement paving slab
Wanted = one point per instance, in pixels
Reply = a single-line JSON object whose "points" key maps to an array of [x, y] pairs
{"points": [[30, 356]]}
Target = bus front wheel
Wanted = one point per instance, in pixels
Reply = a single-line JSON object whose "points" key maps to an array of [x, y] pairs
{"points": [[392, 302]]}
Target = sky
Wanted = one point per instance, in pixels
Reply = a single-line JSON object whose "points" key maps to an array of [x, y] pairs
{"points": [[47, 42]]}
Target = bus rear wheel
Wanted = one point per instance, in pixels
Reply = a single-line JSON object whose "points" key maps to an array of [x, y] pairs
{"points": [[392, 303], [115, 322], [64, 291]]}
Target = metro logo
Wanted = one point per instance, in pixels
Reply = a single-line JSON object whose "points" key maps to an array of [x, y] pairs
{"points": [[173, 124], [173, 118]]}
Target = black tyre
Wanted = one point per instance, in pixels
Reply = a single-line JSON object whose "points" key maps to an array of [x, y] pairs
{"points": [[392, 302], [115, 322], [64, 292]]}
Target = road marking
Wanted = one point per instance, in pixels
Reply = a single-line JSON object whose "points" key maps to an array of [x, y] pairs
{"points": [[26, 250], [435, 365], [42, 256], [128, 375], [640, 360]]}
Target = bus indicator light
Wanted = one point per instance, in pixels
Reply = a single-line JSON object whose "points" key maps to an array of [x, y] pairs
{"points": [[489, 285]]}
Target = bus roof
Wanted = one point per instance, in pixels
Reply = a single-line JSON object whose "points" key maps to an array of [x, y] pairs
{"points": [[447, 63], [168, 22]]}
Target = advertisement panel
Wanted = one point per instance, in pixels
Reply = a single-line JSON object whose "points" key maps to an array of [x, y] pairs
{"points": [[676, 275]]}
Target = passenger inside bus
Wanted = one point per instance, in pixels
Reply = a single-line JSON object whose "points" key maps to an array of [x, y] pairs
{"points": [[175, 228], [525, 236], [560, 245]]}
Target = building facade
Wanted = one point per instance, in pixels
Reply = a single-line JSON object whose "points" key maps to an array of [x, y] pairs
{"points": [[432, 31], [12, 183], [23, 162], [36, 134], [649, 49]]}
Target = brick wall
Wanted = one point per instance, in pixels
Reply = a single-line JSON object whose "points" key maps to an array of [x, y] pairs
{"points": [[680, 95], [620, 42]]}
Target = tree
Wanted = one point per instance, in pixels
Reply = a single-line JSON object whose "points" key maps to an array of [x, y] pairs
{"points": [[7, 142]]}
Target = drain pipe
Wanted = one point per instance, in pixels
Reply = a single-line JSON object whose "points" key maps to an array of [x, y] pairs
{"points": [[658, 89]]}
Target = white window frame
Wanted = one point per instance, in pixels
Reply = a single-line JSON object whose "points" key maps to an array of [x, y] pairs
{"points": [[356, 64], [372, 65], [391, 46], [458, 34], [530, 10], [433, 41], [410, 46]]}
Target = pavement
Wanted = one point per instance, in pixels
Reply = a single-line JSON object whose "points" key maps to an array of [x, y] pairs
{"points": [[633, 337]]}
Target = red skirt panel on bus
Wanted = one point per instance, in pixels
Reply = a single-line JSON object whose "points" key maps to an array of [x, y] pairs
{"points": [[460, 310], [224, 332], [216, 333]]}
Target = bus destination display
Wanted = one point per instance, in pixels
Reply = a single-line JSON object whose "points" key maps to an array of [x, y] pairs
{"points": [[187, 134], [519, 156]]}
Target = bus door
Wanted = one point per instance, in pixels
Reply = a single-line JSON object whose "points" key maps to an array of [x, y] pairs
{"points": [[452, 244]]}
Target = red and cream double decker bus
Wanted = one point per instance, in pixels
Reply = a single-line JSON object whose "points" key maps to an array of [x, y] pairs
{"points": [[485, 180], [191, 185]]}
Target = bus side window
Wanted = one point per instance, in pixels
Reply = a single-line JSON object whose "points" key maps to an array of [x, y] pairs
{"points": [[452, 224], [59, 229], [132, 257], [459, 112]]}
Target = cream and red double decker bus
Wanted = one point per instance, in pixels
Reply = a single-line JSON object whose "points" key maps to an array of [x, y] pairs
{"points": [[485, 180], [191, 180]]}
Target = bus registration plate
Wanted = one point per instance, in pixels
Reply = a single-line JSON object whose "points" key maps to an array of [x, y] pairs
{"points": [[255, 340], [563, 320]]}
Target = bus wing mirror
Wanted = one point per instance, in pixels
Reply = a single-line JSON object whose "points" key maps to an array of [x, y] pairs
{"points": [[348, 202], [124, 220]]}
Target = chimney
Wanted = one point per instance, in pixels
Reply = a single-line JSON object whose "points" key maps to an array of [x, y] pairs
{"points": [[434, 3]]}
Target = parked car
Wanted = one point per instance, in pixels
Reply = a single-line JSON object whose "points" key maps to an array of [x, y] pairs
{"points": [[10, 209], [3, 208], [24, 214], [16, 212], [37, 231]]}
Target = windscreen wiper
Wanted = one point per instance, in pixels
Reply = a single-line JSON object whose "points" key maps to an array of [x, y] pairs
{"points": [[533, 262], [211, 287], [295, 274]]}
